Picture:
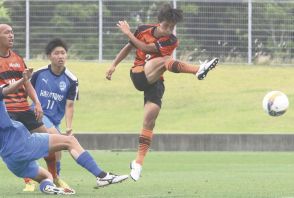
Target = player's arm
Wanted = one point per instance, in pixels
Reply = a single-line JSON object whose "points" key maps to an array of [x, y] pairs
{"points": [[69, 112], [69, 105], [12, 88], [148, 48], [33, 95], [120, 56]]}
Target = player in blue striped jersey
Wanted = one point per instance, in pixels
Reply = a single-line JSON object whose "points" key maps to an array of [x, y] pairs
{"points": [[57, 89]]}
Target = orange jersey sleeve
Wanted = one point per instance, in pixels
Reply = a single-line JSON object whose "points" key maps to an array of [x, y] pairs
{"points": [[165, 45], [11, 69]]}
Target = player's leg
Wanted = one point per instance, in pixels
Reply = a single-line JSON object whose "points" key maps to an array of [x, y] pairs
{"points": [[83, 158], [51, 158], [23, 164], [154, 68], [201, 71], [151, 112], [54, 166], [47, 186], [30, 185], [152, 100], [28, 119], [58, 154]]}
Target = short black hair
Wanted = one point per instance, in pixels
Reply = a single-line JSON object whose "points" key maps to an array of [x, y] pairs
{"points": [[169, 14], [57, 42]]}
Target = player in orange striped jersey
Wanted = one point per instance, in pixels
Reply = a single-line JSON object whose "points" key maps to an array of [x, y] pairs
{"points": [[11, 69], [154, 47]]}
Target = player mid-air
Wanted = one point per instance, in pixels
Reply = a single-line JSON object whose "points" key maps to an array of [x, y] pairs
{"points": [[20, 150], [154, 44]]}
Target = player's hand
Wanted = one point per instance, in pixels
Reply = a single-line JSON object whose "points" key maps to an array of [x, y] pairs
{"points": [[124, 27], [27, 74], [38, 111], [109, 72], [68, 131]]}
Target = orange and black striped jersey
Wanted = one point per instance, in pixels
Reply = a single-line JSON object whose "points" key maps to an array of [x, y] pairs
{"points": [[11, 69], [165, 45]]}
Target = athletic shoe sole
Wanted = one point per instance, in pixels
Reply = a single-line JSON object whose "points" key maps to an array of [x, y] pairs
{"points": [[212, 65]]}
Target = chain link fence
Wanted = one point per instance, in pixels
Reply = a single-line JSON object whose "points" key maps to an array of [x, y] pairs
{"points": [[239, 31]]}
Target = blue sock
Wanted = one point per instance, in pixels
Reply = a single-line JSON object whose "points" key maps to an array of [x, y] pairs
{"points": [[44, 183], [86, 161], [58, 167]]}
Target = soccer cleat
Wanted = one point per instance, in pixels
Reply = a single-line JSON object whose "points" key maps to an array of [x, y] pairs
{"points": [[68, 191], [30, 186], [205, 67], [136, 170], [60, 183], [53, 190], [110, 178]]}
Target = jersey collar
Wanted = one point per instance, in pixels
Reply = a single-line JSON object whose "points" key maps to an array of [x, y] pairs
{"points": [[50, 69], [9, 53]]}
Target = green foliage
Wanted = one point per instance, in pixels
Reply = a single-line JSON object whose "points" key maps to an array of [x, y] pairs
{"points": [[63, 14], [4, 13], [213, 28], [275, 24], [190, 8]]}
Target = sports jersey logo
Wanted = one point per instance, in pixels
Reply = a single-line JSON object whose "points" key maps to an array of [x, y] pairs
{"points": [[45, 80], [16, 65], [62, 85]]}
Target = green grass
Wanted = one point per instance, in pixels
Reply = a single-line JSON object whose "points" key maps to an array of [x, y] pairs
{"points": [[179, 174], [228, 101]]}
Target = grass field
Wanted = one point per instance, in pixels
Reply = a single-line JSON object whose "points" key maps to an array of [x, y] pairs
{"points": [[228, 101], [179, 174]]}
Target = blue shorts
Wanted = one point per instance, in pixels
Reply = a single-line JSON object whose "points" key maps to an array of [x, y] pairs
{"points": [[48, 124], [24, 164]]}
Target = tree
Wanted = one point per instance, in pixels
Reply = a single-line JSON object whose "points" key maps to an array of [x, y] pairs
{"points": [[4, 14]]}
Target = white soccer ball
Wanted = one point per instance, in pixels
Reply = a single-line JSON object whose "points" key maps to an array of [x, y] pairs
{"points": [[275, 103]]}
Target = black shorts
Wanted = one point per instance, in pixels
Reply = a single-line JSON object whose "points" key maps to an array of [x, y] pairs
{"points": [[152, 92], [27, 118]]}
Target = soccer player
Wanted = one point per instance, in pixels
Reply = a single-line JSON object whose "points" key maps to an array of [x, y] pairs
{"points": [[11, 68], [19, 149], [154, 46], [57, 89]]}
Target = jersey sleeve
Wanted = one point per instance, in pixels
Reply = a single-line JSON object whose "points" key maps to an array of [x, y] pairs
{"points": [[167, 46], [34, 79], [73, 90], [140, 29], [24, 66], [1, 93]]}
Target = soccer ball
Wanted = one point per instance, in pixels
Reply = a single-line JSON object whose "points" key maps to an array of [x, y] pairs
{"points": [[275, 103]]}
